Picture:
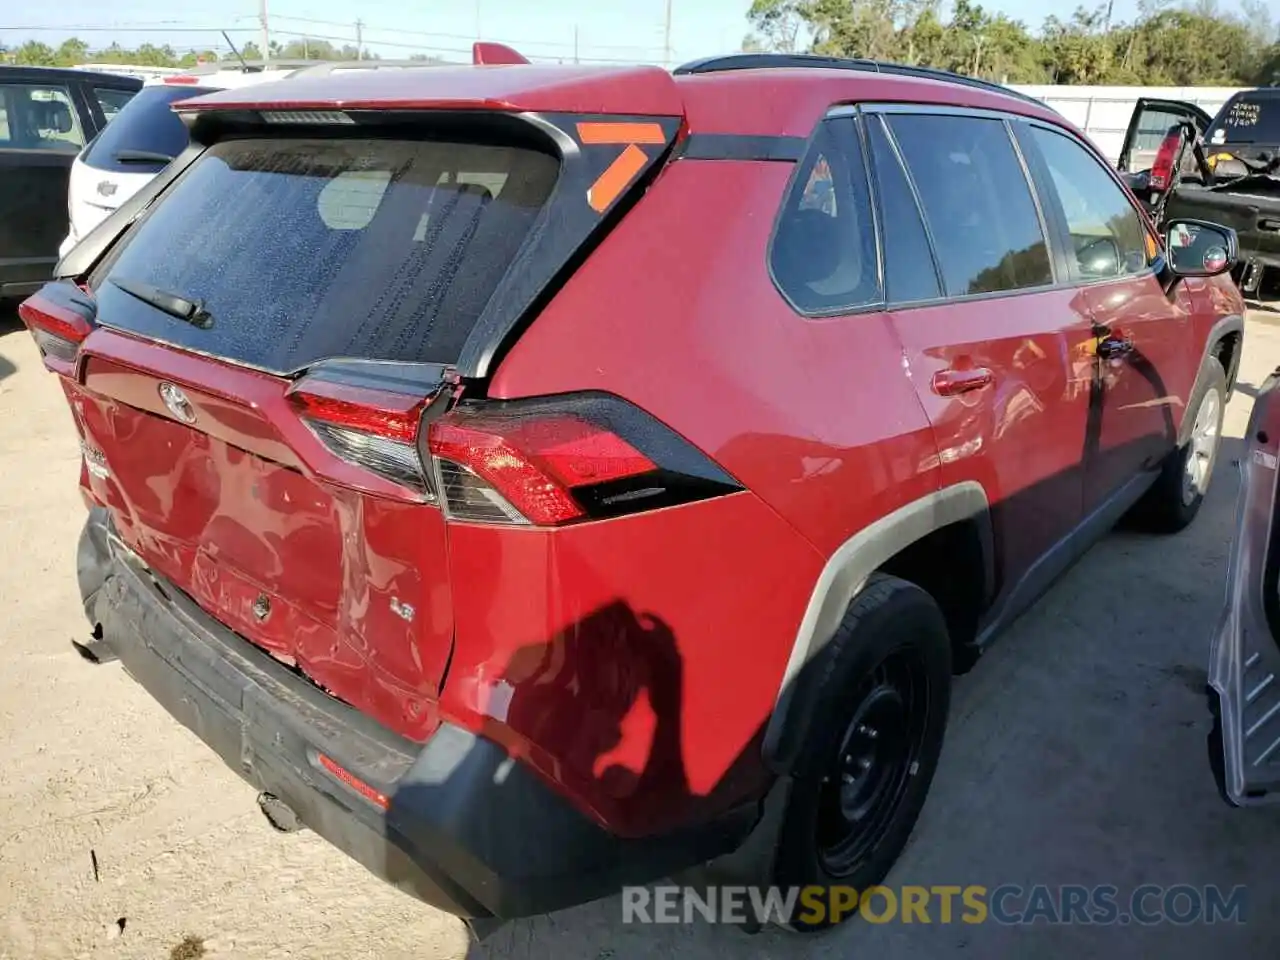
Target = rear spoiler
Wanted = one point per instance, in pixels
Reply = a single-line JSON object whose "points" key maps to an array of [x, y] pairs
{"points": [[483, 53]]}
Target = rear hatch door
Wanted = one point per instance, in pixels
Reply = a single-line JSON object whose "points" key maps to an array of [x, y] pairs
{"points": [[270, 333]]}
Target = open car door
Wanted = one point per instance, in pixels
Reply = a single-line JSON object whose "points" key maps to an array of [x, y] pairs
{"points": [[1244, 664], [1148, 126]]}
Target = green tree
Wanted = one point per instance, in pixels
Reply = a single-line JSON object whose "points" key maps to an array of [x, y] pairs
{"points": [[72, 52], [35, 54], [777, 25]]}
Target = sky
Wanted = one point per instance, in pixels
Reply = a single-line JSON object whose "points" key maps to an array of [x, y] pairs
{"points": [[623, 30]]}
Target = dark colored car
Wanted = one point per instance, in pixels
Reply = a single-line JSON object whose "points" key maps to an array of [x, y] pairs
{"points": [[540, 479], [1227, 171], [46, 118]]}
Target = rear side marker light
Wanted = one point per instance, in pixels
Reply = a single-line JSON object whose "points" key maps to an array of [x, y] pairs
{"points": [[348, 779], [305, 116]]}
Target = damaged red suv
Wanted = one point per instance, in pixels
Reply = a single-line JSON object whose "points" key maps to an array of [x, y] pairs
{"points": [[539, 479]]}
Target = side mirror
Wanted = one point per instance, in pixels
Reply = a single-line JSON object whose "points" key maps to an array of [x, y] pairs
{"points": [[1199, 249]]}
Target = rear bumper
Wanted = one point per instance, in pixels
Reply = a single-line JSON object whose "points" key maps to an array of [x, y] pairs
{"points": [[465, 827]]}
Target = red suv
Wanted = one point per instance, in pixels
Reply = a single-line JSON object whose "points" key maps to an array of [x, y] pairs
{"points": [[539, 479]]}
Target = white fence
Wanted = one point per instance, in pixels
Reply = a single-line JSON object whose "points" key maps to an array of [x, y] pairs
{"points": [[1103, 112]]}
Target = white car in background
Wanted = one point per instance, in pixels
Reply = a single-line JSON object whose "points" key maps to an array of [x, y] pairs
{"points": [[138, 143]]}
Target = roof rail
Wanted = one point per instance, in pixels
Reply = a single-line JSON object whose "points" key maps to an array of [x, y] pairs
{"points": [[775, 61]]}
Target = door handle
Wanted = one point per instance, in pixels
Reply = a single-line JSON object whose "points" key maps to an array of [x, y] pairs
{"points": [[952, 382]]}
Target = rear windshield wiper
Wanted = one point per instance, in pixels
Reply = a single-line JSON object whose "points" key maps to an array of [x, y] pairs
{"points": [[190, 311], [141, 156]]}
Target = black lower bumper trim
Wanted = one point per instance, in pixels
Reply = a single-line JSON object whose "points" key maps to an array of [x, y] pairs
{"points": [[467, 828]]}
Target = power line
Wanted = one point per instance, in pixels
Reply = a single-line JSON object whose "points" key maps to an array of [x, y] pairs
{"points": [[461, 36], [425, 48]]}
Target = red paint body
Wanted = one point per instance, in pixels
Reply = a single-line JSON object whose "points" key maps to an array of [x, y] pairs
{"points": [[634, 661]]}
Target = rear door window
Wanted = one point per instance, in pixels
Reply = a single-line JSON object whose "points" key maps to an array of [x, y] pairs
{"points": [[823, 254], [1251, 118], [39, 117], [909, 271], [302, 250], [977, 201], [143, 133]]}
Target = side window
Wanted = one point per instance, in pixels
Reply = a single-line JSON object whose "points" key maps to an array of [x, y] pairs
{"points": [[824, 247], [977, 202], [111, 100], [1108, 238], [38, 117], [909, 273]]}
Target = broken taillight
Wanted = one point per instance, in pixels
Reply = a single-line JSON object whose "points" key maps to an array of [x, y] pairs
{"points": [[525, 469], [60, 317], [559, 460], [371, 428], [544, 462]]}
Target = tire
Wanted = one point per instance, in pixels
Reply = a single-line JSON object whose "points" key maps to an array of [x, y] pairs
{"points": [[1175, 498], [889, 664]]}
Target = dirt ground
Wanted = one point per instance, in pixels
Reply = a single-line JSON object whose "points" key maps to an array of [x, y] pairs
{"points": [[1076, 755]]}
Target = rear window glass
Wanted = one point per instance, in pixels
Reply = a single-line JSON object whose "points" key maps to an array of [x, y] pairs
{"points": [[306, 249], [112, 100], [144, 126], [1248, 119]]}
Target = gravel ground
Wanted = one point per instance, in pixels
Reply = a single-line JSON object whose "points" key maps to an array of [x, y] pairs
{"points": [[1076, 755]]}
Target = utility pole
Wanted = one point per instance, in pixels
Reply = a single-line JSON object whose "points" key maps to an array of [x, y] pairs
{"points": [[359, 39], [266, 36], [478, 37], [666, 38]]}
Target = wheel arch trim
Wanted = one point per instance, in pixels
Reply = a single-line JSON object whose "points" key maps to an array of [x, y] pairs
{"points": [[844, 574], [1224, 327]]}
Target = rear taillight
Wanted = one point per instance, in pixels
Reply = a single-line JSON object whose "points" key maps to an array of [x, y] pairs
{"points": [[525, 469], [371, 428], [60, 316], [559, 460], [544, 462], [1162, 168]]}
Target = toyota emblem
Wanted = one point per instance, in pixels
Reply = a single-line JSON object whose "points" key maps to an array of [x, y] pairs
{"points": [[106, 188], [177, 402]]}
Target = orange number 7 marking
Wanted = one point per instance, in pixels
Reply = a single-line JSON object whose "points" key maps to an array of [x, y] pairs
{"points": [[610, 184]]}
